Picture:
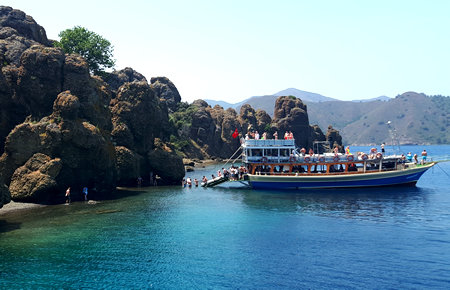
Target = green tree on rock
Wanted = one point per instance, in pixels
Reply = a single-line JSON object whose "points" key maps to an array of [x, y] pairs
{"points": [[95, 49]]}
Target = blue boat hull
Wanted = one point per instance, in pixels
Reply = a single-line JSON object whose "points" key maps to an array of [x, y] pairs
{"points": [[391, 178]]}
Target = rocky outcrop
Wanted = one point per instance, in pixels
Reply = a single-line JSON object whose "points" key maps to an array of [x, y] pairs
{"points": [[165, 90], [334, 138], [165, 163], [127, 75], [317, 135], [18, 32], [92, 92], [36, 180], [39, 80], [290, 114], [51, 108], [5, 196], [138, 118], [212, 129], [86, 154], [22, 23], [128, 165]]}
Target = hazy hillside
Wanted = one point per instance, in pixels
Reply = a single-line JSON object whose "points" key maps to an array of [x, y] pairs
{"points": [[337, 113], [223, 104], [380, 98], [303, 95], [417, 118]]}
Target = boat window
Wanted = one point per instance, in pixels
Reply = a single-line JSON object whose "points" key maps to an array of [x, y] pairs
{"points": [[256, 152], [271, 152], [284, 152]]}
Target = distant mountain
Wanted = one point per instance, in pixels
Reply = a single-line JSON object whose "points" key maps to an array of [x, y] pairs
{"points": [[267, 102], [304, 96], [416, 118], [381, 98], [223, 104]]}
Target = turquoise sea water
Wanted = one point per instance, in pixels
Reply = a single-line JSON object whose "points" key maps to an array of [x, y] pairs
{"points": [[174, 237]]}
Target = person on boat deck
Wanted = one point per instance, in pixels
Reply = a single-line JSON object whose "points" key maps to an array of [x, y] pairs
{"points": [[246, 136], [256, 135], [424, 156], [409, 157], [303, 151], [311, 152], [204, 179], [336, 149], [373, 153], [291, 135], [219, 174], [415, 159], [264, 136], [382, 148], [347, 150], [275, 135], [286, 135]]}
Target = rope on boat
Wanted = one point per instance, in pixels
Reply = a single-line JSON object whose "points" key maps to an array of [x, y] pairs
{"points": [[443, 170], [232, 157]]}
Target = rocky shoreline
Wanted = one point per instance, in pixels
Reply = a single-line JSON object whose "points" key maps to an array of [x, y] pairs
{"points": [[62, 126]]}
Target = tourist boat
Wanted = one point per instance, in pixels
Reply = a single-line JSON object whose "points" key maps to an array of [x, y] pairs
{"points": [[278, 164]]}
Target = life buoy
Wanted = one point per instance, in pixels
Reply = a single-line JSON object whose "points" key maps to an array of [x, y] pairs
{"points": [[307, 159], [292, 159], [321, 159], [336, 158], [364, 156], [379, 155], [350, 157], [264, 160]]}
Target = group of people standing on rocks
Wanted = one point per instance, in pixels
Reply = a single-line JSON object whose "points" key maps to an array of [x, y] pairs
{"points": [[255, 135], [153, 180]]}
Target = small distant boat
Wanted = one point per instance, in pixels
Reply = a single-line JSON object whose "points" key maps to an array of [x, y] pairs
{"points": [[277, 164]]}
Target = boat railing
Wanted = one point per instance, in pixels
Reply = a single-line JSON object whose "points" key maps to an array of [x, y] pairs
{"points": [[268, 143]]}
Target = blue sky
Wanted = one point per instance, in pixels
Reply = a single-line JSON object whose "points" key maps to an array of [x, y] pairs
{"points": [[232, 50]]}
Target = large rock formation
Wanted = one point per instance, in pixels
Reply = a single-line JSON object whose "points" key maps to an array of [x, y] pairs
{"points": [[84, 152], [18, 32], [127, 75], [334, 138], [139, 117], [35, 181], [290, 114], [165, 90], [212, 128], [52, 111]]}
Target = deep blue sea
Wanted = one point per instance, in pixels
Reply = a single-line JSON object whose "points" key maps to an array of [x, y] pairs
{"points": [[174, 237]]}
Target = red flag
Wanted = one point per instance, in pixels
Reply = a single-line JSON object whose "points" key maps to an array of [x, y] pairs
{"points": [[235, 134]]}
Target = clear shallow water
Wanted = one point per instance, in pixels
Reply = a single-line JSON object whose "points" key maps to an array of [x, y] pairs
{"points": [[177, 237]]}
